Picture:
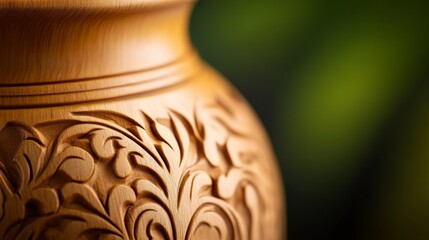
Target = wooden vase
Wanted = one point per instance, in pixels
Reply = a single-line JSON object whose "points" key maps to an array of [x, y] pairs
{"points": [[111, 127]]}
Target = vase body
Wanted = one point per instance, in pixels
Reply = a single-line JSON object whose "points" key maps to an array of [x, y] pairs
{"points": [[111, 127]]}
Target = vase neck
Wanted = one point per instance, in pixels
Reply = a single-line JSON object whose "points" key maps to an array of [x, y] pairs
{"points": [[44, 45]]}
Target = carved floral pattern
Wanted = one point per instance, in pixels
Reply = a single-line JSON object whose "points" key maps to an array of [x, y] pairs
{"points": [[113, 177]]}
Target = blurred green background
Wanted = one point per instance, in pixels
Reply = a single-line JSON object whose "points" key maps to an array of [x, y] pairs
{"points": [[342, 88]]}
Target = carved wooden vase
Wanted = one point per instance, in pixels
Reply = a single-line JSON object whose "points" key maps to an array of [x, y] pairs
{"points": [[111, 127]]}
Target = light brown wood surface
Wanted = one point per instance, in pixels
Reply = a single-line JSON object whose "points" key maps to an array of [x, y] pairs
{"points": [[111, 127]]}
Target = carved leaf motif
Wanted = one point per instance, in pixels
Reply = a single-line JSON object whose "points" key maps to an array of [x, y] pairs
{"points": [[227, 184], [26, 163], [180, 129], [113, 117], [102, 144], [46, 200], [77, 164], [147, 189], [120, 198], [74, 192], [121, 166], [211, 226], [31, 152], [111, 177], [217, 215], [21, 171], [252, 201], [152, 221]]}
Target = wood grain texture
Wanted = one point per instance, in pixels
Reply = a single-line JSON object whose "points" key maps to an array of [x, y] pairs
{"points": [[48, 45], [111, 127], [85, 4]]}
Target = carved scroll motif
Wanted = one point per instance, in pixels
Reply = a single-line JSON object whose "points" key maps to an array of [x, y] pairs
{"points": [[113, 177]]}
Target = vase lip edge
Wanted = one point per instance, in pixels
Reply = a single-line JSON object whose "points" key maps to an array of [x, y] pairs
{"points": [[85, 4]]}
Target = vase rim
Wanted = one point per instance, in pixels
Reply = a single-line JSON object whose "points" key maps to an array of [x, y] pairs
{"points": [[86, 4]]}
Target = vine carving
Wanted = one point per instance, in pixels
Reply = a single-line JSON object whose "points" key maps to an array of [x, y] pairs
{"points": [[113, 177]]}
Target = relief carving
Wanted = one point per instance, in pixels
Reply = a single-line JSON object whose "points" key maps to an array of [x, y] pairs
{"points": [[112, 127], [113, 177]]}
